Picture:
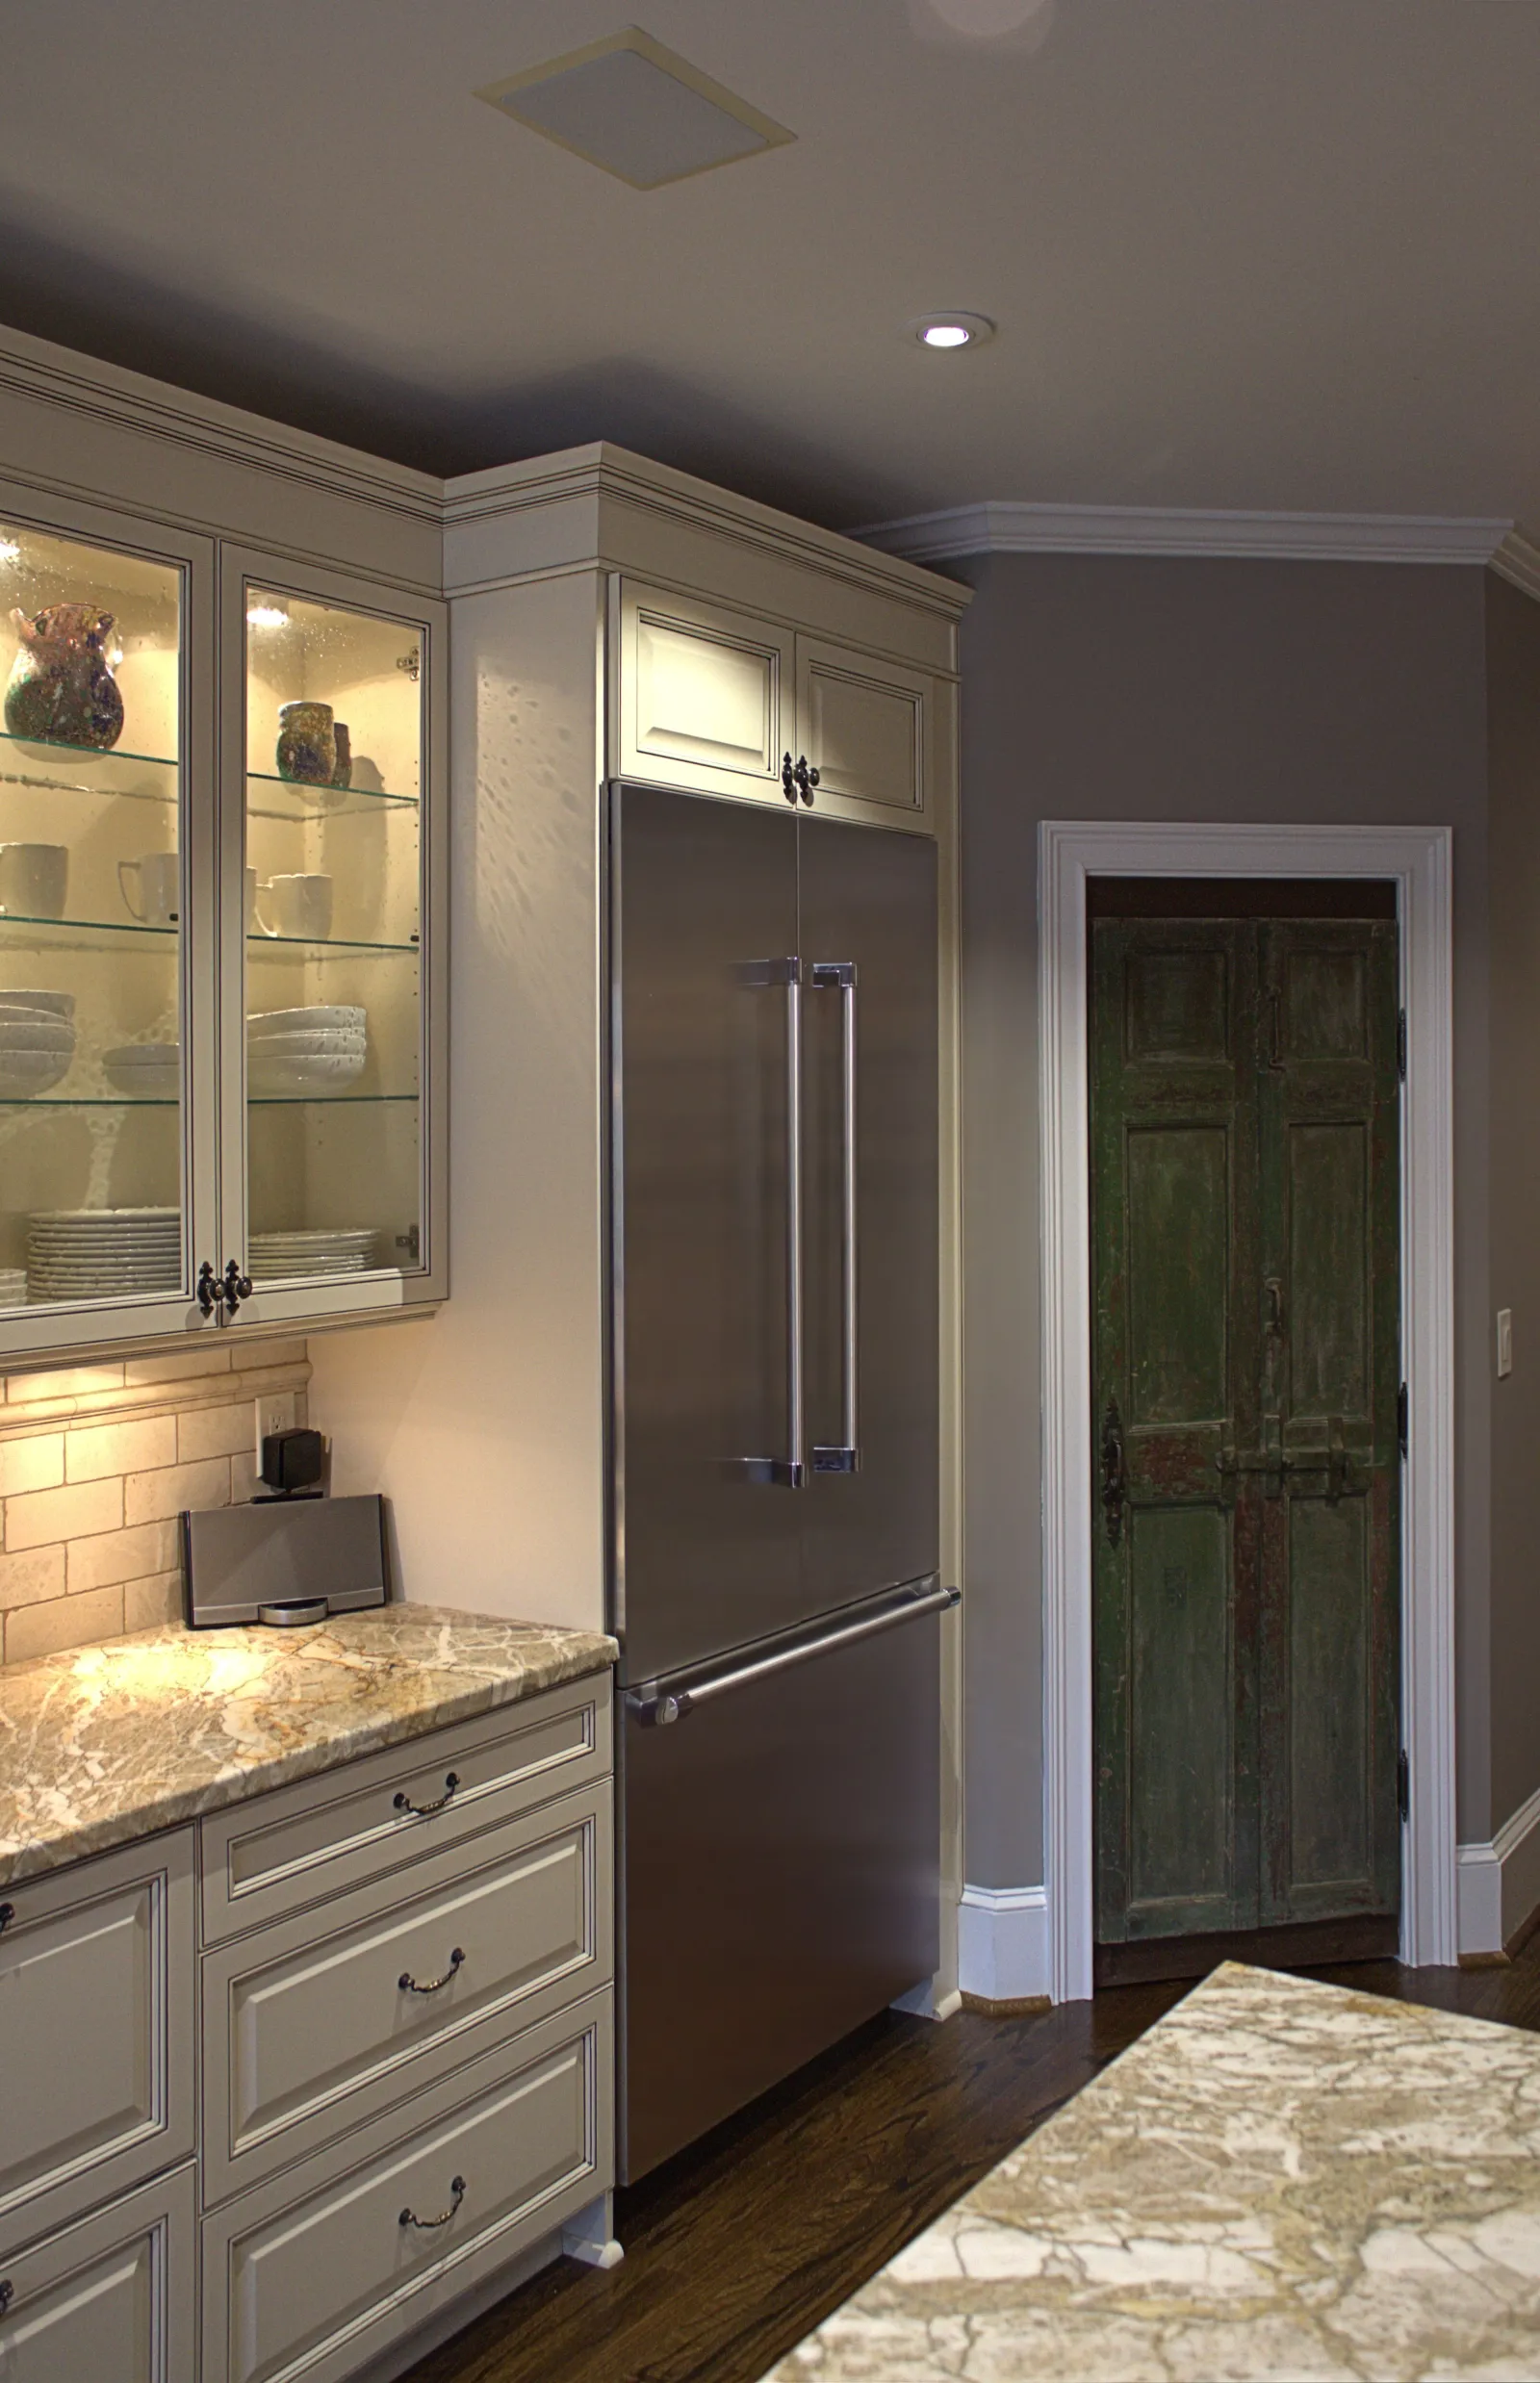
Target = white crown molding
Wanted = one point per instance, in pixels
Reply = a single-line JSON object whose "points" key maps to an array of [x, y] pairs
{"points": [[1008, 529], [602, 471]]}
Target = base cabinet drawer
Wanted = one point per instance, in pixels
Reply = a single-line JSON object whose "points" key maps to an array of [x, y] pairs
{"points": [[304, 1845], [110, 2300], [317, 2270], [96, 1967], [305, 2033]]}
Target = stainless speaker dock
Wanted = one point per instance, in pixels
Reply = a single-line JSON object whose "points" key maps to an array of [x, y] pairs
{"points": [[286, 1561]]}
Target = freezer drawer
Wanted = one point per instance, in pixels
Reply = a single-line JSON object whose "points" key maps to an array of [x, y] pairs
{"points": [[780, 1878]]}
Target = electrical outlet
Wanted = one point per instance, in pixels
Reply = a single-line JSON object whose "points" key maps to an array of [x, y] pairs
{"points": [[1504, 1343], [275, 1412]]}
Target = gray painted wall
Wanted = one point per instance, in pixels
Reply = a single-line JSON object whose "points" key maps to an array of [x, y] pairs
{"points": [[1513, 731], [1115, 688]]}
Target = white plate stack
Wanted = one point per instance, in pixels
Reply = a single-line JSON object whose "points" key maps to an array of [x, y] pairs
{"points": [[298, 1257], [36, 1042], [145, 1070], [313, 1051], [102, 1253], [13, 1286]]}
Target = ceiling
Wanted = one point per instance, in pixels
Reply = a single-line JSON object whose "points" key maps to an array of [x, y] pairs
{"points": [[1240, 253]]}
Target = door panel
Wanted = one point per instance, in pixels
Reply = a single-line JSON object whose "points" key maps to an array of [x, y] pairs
{"points": [[870, 899], [1245, 1219], [780, 1859], [708, 1556]]}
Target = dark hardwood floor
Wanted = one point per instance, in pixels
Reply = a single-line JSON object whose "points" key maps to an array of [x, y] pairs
{"points": [[740, 2245]]}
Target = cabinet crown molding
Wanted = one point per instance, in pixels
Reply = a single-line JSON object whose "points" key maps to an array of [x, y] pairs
{"points": [[604, 474], [1002, 527]]}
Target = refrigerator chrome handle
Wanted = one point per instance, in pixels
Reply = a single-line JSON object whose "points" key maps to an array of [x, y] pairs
{"points": [[839, 976], [788, 1471], [655, 1705]]}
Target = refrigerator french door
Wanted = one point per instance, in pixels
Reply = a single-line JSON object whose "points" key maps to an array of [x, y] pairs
{"points": [[776, 1428]]}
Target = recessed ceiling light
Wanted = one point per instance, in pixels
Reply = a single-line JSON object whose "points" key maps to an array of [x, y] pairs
{"points": [[640, 112], [952, 330]]}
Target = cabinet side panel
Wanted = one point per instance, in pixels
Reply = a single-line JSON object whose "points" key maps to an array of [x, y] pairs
{"points": [[485, 1425]]}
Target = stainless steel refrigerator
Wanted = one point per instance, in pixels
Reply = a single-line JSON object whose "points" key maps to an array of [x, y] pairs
{"points": [[775, 1353]]}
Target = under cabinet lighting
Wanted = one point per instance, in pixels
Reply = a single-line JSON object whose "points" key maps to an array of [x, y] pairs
{"points": [[9, 550], [953, 330], [267, 616]]}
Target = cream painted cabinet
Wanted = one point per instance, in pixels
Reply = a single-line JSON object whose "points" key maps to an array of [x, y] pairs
{"points": [[222, 1026], [112, 2299], [407, 2049], [730, 703]]}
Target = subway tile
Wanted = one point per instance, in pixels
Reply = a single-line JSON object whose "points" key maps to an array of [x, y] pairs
{"points": [[215, 1432], [146, 1603], [63, 1622], [28, 1579], [261, 1356], [116, 1555], [92, 1451], [42, 1516], [186, 1364], [65, 1382], [149, 1496], [34, 1463]]}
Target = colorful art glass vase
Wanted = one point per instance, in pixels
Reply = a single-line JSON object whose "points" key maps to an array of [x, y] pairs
{"points": [[62, 689], [307, 744]]}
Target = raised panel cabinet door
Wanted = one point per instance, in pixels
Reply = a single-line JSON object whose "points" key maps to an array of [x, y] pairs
{"points": [[110, 2301], [705, 696], [1176, 1528], [95, 2033], [1330, 1636], [866, 725]]}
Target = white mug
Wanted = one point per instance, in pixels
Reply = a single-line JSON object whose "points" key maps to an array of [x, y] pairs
{"points": [[160, 887], [250, 876], [299, 907], [33, 880]]}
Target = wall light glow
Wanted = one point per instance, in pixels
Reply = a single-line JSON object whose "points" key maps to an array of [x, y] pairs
{"points": [[267, 616]]}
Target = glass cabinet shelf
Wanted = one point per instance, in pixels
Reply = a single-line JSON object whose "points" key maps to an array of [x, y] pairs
{"points": [[86, 769], [281, 946], [76, 935], [329, 1100], [294, 798]]}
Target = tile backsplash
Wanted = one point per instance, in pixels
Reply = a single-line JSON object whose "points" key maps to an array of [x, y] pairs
{"points": [[95, 1464]]}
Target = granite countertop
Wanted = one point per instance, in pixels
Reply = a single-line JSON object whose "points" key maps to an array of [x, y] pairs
{"points": [[1281, 2180], [105, 1744]]}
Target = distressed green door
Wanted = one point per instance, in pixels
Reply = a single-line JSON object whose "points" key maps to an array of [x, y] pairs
{"points": [[1246, 1318]]}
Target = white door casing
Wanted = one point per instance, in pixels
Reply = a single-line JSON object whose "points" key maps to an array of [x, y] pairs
{"points": [[1417, 859]]}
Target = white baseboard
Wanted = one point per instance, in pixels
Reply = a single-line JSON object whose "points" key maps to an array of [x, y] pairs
{"points": [[1499, 1883], [1003, 1942]]}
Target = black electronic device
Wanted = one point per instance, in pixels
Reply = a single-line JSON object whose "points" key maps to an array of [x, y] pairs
{"points": [[294, 1463]]}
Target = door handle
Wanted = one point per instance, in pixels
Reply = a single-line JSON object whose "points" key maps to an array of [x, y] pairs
{"points": [[839, 976], [788, 1471], [1113, 1472]]}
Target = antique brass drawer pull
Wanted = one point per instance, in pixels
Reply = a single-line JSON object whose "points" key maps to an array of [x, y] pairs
{"points": [[7, 2293], [430, 1986], [426, 1812], [8, 1912], [409, 2217]]}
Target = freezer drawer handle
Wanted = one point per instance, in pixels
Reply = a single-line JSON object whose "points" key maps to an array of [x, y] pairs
{"points": [[656, 1706], [839, 976], [788, 1471]]}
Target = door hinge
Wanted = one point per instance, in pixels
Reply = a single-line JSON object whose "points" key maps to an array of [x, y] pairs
{"points": [[1400, 1045], [1403, 1785], [1403, 1420]]}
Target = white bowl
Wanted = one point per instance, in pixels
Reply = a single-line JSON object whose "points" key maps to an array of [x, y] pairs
{"points": [[35, 1034], [148, 1070], [24, 1074], [321, 1015], [322, 1071], [27, 998], [324, 1040]]}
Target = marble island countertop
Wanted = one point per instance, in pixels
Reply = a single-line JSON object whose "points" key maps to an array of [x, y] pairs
{"points": [[105, 1744], [1282, 2180]]}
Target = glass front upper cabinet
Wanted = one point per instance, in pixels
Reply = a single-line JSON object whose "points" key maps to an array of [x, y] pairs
{"points": [[96, 882], [334, 931]]}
